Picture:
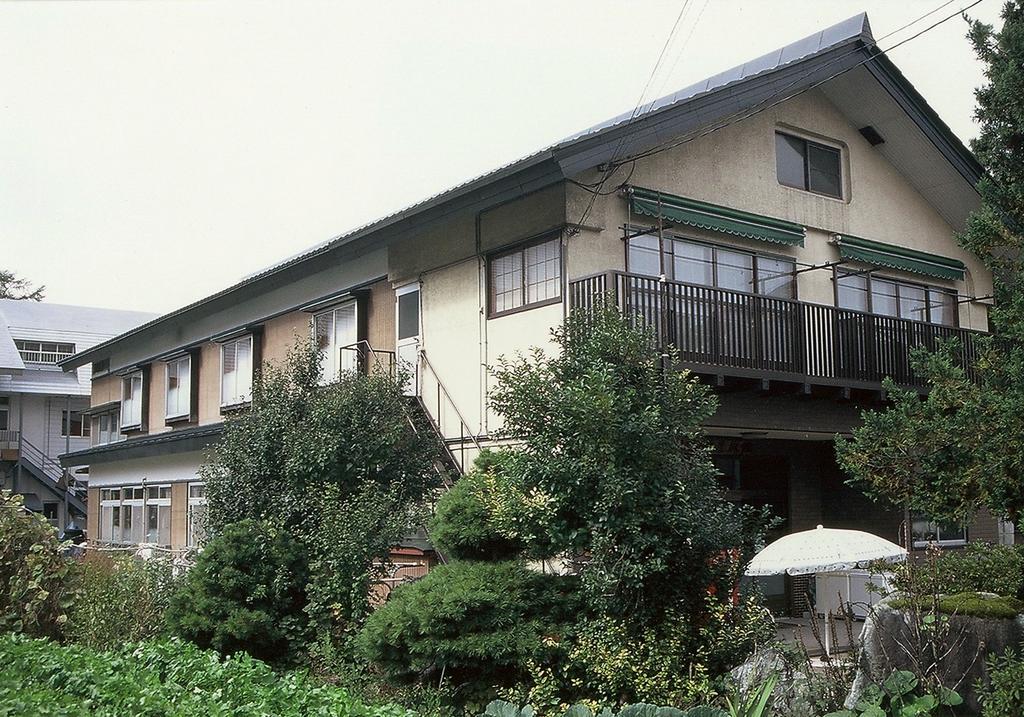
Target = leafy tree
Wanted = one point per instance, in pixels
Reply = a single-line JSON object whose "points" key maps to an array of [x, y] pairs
{"points": [[611, 439], [246, 593], [340, 466], [36, 579], [961, 447], [11, 287]]}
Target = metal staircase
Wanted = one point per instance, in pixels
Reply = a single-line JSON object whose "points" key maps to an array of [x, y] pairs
{"points": [[48, 471]]}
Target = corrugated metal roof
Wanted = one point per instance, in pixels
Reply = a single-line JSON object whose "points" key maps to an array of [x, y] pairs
{"points": [[10, 359], [46, 381], [42, 316]]}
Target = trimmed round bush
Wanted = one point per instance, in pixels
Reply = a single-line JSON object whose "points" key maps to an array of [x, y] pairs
{"points": [[461, 528], [246, 593], [477, 621]]}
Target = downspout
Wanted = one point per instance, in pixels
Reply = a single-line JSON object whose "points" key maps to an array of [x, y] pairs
{"points": [[67, 449], [482, 302]]}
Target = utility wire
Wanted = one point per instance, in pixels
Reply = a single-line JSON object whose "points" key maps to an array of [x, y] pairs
{"points": [[761, 108]]}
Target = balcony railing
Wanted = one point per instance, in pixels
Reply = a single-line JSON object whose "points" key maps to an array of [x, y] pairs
{"points": [[739, 333]]}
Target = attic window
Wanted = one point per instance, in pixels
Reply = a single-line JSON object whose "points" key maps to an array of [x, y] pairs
{"points": [[43, 351], [807, 165]]}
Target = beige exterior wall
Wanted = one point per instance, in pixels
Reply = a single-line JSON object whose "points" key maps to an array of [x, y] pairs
{"points": [[157, 391], [380, 308], [179, 515], [735, 167], [209, 384], [281, 334], [105, 389], [92, 510]]}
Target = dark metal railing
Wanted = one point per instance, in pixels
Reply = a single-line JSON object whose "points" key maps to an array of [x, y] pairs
{"points": [[770, 337], [364, 358]]}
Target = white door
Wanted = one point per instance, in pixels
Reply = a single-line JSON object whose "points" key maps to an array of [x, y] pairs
{"points": [[407, 324]]}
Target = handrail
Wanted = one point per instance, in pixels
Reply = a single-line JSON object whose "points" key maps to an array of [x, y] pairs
{"points": [[766, 336], [363, 347], [442, 389]]}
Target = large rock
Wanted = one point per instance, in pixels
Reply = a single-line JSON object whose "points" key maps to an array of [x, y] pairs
{"points": [[892, 642], [790, 696]]}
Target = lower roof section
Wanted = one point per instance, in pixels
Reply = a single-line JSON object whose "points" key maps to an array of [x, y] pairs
{"points": [[182, 441]]}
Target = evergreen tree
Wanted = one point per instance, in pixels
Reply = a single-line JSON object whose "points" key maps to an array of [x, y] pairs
{"points": [[11, 287]]}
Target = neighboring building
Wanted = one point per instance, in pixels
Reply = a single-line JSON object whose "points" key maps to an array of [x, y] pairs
{"points": [[787, 224], [43, 410]]}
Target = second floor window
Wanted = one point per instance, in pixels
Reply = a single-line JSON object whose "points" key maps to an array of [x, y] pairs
{"points": [[899, 299], [710, 265], [43, 351], [336, 332], [131, 400], [807, 165], [107, 428], [179, 387], [527, 276], [73, 426], [236, 372]]}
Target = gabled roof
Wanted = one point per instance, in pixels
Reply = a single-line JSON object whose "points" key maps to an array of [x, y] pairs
{"points": [[43, 317], [836, 58]]}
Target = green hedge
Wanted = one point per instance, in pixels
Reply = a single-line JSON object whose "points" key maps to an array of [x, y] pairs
{"points": [[971, 604], [156, 679]]}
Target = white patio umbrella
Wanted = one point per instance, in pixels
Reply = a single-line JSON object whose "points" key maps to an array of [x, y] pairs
{"points": [[823, 550]]}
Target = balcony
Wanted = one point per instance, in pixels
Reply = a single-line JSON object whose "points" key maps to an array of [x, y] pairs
{"points": [[734, 333]]}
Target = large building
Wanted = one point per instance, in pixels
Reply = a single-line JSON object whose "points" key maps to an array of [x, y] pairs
{"points": [[43, 410], [788, 225]]}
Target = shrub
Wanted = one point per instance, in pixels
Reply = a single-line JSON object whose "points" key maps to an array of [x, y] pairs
{"points": [[153, 679], [35, 576], [119, 598], [978, 567], [462, 528], [1002, 694], [473, 621], [246, 593], [969, 605]]}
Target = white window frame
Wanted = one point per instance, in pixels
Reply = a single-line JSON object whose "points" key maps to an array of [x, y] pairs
{"points": [[960, 541], [158, 501], [332, 361], [132, 419], [106, 527], [124, 503], [65, 424], [194, 501], [183, 394], [231, 396], [113, 431]]}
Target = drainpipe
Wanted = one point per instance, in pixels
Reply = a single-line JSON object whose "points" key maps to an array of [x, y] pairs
{"points": [[67, 449]]}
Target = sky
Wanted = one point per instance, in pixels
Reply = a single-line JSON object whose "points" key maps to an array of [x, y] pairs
{"points": [[154, 153]]}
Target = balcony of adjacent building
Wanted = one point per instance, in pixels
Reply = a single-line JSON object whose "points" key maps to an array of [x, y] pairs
{"points": [[728, 333]]}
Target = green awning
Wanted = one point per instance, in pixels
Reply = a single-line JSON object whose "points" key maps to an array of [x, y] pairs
{"points": [[704, 215], [898, 257]]}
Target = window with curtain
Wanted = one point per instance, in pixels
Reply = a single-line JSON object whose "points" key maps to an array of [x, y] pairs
{"points": [[236, 372], [196, 514], [527, 276], [898, 299], [131, 400], [179, 388], [694, 262], [333, 331]]}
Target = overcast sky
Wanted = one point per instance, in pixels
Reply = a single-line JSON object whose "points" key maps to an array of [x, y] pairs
{"points": [[154, 153]]}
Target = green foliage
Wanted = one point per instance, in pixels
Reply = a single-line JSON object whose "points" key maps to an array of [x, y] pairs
{"points": [[246, 593], [474, 621], [36, 580], [345, 492], [119, 599], [154, 679], [977, 567], [613, 444], [899, 696], [464, 528], [969, 604], [755, 704], [501, 708], [1002, 694], [614, 663]]}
